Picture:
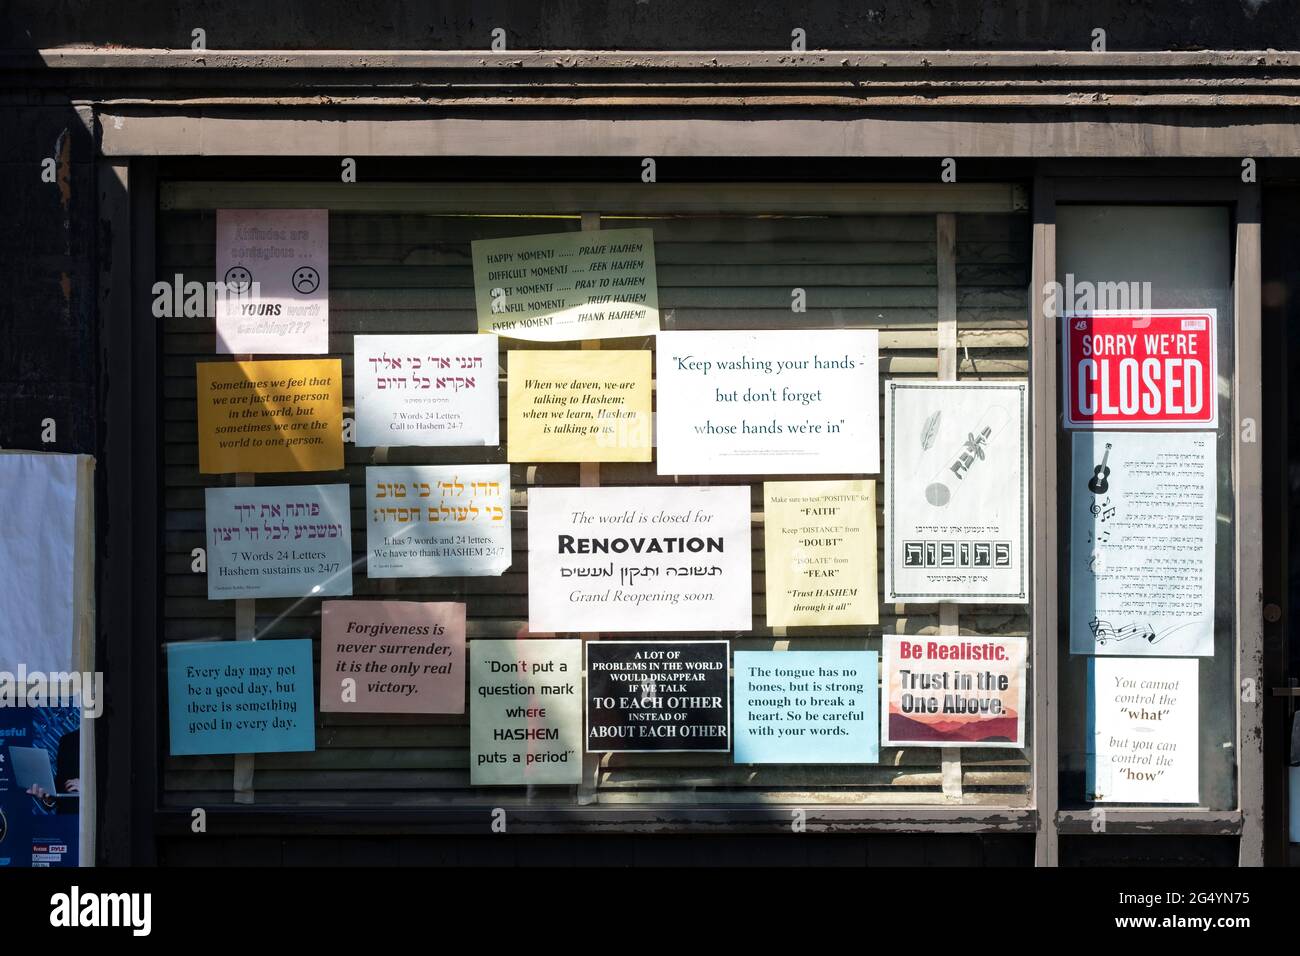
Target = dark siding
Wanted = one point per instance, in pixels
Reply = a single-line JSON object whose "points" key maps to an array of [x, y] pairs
{"points": [[657, 25]]}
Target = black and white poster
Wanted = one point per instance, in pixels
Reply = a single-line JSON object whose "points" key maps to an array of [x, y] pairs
{"points": [[1142, 526], [956, 492], [659, 696]]}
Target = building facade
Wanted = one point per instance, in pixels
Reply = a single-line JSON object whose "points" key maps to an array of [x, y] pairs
{"points": [[959, 186]]}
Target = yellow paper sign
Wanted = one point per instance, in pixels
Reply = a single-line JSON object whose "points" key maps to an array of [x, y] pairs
{"points": [[820, 541], [578, 406], [270, 416]]}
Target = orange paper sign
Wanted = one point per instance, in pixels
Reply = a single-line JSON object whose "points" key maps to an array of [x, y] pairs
{"points": [[270, 416]]}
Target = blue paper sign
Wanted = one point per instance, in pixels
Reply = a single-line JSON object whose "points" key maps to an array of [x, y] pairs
{"points": [[241, 697], [807, 706]]}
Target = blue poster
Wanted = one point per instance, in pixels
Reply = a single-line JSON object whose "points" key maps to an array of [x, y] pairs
{"points": [[241, 697], [40, 786], [807, 706]]}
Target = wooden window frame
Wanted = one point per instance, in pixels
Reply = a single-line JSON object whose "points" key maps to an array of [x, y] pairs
{"points": [[131, 817], [1072, 184]]}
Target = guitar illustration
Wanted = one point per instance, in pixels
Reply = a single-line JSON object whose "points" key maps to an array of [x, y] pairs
{"points": [[1098, 484]]}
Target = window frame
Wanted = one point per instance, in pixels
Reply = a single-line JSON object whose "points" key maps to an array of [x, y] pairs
{"points": [[130, 564], [1073, 185]]}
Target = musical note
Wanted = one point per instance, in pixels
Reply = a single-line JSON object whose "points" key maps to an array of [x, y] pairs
{"points": [[1106, 633]]}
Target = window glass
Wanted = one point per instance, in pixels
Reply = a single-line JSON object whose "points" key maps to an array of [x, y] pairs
{"points": [[397, 272], [1163, 258]]}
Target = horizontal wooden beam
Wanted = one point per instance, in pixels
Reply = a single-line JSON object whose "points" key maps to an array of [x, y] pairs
{"points": [[236, 821], [1191, 821], [899, 133], [487, 199], [934, 60]]}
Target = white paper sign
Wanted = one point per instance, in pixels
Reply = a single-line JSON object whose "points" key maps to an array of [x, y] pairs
{"points": [[275, 264], [38, 544], [768, 403], [639, 559], [567, 285], [437, 520], [956, 492], [279, 541], [426, 390], [1142, 728], [1142, 525]]}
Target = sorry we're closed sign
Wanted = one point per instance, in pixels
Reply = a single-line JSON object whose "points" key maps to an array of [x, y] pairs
{"points": [[1151, 369]]}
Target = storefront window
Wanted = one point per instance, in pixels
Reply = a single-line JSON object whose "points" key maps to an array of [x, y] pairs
{"points": [[395, 270]]}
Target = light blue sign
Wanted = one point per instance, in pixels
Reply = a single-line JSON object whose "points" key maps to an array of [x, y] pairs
{"points": [[241, 697], [807, 706]]}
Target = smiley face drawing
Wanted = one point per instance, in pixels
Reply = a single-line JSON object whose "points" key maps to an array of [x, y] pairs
{"points": [[238, 279], [305, 280]]}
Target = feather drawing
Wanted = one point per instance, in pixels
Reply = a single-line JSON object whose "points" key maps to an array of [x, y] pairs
{"points": [[930, 432]]}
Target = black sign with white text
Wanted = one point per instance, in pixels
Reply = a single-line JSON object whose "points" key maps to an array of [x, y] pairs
{"points": [[658, 696]]}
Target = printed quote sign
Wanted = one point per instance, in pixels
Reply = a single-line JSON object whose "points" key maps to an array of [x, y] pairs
{"points": [[240, 697], [743, 403], [1142, 527], [392, 657], [806, 707], [1142, 724], [426, 390], [279, 541], [820, 547], [658, 696], [567, 285], [270, 416], [579, 406], [639, 559], [951, 692], [1150, 369], [525, 712], [956, 492], [275, 267], [437, 520]]}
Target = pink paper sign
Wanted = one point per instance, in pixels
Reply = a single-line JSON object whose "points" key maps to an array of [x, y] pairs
{"points": [[392, 657], [274, 266]]}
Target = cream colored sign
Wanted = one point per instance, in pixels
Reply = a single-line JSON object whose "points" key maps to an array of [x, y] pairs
{"points": [[568, 285], [820, 541], [578, 406], [525, 712]]}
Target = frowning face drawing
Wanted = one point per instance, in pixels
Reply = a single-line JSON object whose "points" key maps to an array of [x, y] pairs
{"points": [[305, 280]]}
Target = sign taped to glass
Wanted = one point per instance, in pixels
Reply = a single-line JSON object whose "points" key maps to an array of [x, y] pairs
{"points": [[1149, 369]]}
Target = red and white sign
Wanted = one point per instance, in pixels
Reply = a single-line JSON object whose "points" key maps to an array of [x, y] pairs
{"points": [[1152, 369]]}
